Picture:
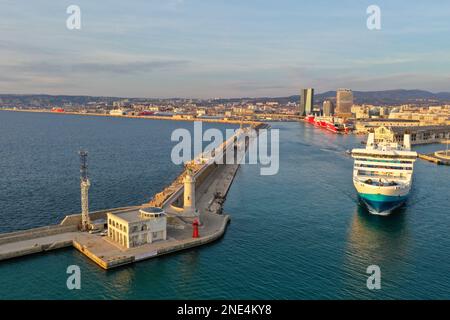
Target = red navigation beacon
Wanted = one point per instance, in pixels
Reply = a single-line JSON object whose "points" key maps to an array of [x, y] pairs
{"points": [[195, 229]]}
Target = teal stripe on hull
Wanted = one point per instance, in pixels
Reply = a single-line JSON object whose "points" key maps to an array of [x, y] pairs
{"points": [[382, 203]]}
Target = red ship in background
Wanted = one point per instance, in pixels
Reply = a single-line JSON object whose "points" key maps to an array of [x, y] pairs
{"points": [[58, 110], [146, 113], [329, 123]]}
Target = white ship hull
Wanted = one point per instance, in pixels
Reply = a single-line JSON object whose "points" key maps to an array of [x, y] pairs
{"points": [[382, 200], [382, 174]]}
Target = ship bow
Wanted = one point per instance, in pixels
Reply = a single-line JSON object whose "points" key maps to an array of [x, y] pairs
{"points": [[382, 204]]}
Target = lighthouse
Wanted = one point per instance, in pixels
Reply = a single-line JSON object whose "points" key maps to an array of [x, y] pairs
{"points": [[189, 194]]}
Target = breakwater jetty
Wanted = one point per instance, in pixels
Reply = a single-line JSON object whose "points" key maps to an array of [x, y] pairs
{"points": [[211, 180]]}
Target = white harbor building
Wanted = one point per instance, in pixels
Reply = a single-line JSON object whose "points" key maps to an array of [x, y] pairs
{"points": [[138, 227]]}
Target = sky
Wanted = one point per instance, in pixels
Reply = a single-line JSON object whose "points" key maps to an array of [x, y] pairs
{"points": [[222, 48]]}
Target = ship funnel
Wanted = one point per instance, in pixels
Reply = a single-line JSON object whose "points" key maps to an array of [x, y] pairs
{"points": [[407, 141], [371, 141]]}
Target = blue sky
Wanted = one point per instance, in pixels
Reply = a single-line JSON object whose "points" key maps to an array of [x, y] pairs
{"points": [[222, 48]]}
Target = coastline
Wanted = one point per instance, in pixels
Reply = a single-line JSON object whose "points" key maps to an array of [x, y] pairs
{"points": [[151, 117]]}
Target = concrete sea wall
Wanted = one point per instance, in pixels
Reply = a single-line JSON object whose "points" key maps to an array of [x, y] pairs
{"points": [[35, 233]]}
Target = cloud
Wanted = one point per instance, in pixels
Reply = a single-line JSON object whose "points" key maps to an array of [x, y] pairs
{"points": [[14, 48], [46, 68], [383, 61], [255, 86], [174, 4], [82, 78], [128, 68]]}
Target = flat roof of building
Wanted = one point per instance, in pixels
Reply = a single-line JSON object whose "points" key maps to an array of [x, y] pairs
{"points": [[434, 129], [129, 216], [388, 120], [153, 210], [135, 215]]}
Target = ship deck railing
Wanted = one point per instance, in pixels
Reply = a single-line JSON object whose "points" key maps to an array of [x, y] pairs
{"points": [[384, 179]]}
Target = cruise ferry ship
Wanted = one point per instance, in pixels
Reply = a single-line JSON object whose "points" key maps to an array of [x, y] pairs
{"points": [[382, 174]]}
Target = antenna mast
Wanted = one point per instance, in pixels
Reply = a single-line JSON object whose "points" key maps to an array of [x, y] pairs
{"points": [[84, 185]]}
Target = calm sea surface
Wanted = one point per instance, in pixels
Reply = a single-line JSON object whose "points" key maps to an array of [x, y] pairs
{"points": [[300, 234]]}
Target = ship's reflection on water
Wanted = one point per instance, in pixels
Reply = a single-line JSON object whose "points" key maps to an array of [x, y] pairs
{"points": [[376, 240], [379, 238]]}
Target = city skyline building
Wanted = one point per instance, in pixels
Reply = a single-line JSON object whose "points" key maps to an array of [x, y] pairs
{"points": [[306, 101], [344, 101], [328, 108]]}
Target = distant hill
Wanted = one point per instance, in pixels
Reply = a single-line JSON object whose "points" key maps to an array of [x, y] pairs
{"points": [[44, 100], [387, 97], [49, 101]]}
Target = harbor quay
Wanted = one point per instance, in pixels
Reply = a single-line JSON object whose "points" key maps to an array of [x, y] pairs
{"points": [[185, 214], [102, 250], [441, 157]]}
